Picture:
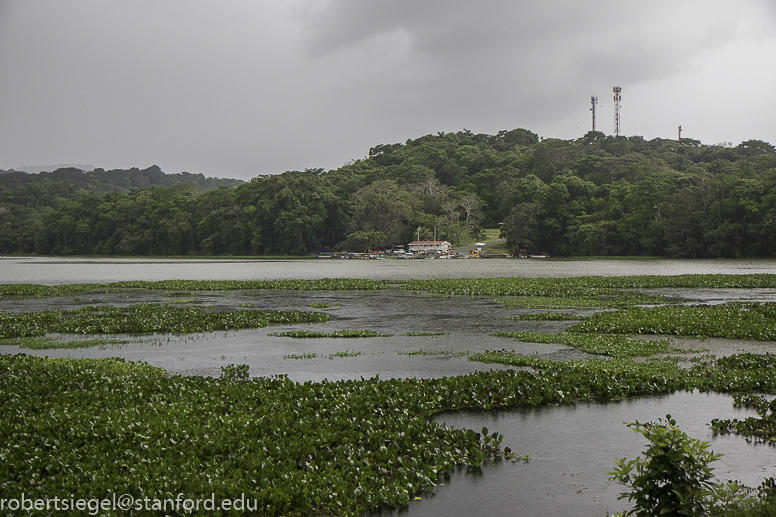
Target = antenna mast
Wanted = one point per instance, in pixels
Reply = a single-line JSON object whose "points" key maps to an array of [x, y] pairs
{"points": [[617, 99], [593, 101], [680, 132]]}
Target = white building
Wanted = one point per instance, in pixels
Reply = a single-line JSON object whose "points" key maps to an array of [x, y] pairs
{"points": [[432, 246]]}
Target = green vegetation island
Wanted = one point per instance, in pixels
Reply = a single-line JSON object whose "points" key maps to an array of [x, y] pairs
{"points": [[95, 428], [597, 195]]}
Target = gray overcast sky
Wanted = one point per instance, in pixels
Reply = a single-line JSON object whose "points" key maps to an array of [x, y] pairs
{"points": [[241, 88]]}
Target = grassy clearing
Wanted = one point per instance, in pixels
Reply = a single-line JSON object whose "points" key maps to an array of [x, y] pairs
{"points": [[491, 234]]}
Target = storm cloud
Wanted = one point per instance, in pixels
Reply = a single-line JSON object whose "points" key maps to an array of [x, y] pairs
{"points": [[236, 89]]}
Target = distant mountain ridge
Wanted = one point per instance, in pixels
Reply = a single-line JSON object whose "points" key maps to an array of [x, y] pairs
{"points": [[34, 169]]}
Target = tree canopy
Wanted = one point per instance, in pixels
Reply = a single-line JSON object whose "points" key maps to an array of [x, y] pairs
{"points": [[596, 195]]}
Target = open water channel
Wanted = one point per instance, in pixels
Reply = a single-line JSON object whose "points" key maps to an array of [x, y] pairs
{"points": [[571, 447]]}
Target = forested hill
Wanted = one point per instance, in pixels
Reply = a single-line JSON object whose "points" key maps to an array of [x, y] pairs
{"points": [[118, 180], [596, 195]]}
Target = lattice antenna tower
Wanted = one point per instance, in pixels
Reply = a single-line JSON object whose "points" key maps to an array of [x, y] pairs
{"points": [[593, 102], [617, 99]]}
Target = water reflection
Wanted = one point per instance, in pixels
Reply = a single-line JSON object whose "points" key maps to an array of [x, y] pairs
{"points": [[465, 320]]}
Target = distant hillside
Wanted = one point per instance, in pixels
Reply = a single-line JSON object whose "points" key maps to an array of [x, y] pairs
{"points": [[34, 169], [592, 196], [116, 180]]}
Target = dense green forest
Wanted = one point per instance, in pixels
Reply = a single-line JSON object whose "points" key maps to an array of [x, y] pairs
{"points": [[596, 195]]}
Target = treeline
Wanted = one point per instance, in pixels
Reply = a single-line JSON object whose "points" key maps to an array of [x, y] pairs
{"points": [[596, 195], [29, 201], [114, 180]]}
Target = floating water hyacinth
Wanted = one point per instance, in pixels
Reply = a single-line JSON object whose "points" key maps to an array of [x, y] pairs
{"points": [[730, 320], [584, 287], [144, 318], [186, 286], [598, 344], [335, 334]]}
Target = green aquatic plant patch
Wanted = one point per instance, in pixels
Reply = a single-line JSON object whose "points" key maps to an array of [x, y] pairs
{"points": [[179, 294], [144, 318], [49, 343], [305, 355], [421, 352], [584, 287], [425, 334], [105, 426], [760, 429], [730, 320], [578, 287], [626, 377], [334, 334], [598, 344], [87, 428], [552, 302], [187, 286], [346, 353], [548, 316], [619, 300]]}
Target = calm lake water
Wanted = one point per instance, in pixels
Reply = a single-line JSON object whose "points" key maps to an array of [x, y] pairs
{"points": [[571, 447], [74, 270]]}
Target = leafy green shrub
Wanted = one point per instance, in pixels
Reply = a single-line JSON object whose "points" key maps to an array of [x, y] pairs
{"points": [[673, 478]]}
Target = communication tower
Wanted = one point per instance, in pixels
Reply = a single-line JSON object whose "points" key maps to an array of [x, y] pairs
{"points": [[593, 101], [680, 132], [617, 99]]}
